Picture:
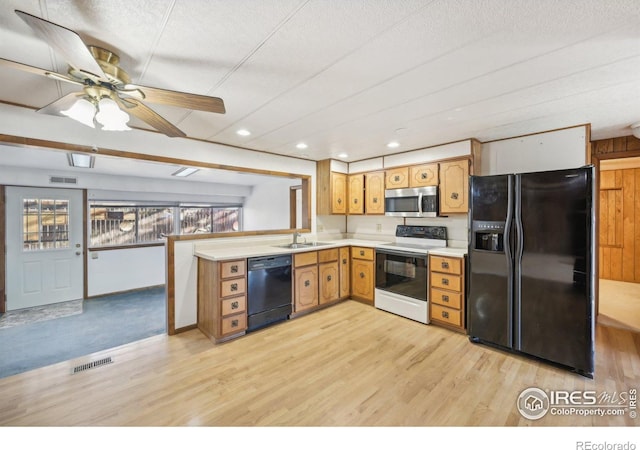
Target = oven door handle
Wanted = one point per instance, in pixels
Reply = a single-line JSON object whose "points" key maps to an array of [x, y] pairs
{"points": [[420, 212], [401, 253]]}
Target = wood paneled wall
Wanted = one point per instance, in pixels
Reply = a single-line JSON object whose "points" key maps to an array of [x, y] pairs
{"points": [[618, 146], [619, 225]]}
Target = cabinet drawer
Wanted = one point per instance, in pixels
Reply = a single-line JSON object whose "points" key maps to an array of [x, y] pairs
{"points": [[328, 255], [445, 281], [446, 298], [234, 287], [446, 265], [448, 315], [233, 324], [233, 305], [305, 259], [232, 269], [362, 253]]}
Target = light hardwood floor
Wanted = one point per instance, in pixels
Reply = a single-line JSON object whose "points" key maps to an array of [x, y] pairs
{"points": [[347, 365], [620, 304]]}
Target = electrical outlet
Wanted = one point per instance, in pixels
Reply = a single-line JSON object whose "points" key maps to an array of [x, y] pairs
{"points": [[379, 227], [320, 227]]}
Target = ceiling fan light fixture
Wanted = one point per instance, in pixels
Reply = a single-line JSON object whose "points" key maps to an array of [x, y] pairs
{"points": [[82, 111], [111, 116]]}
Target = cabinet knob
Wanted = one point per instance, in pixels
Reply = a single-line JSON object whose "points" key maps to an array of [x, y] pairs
{"points": [[445, 282], [328, 277], [396, 178], [235, 305], [423, 175], [445, 265], [375, 199], [234, 323], [234, 268], [339, 201], [445, 314], [454, 195], [355, 200], [307, 283], [445, 298], [361, 274], [344, 261], [361, 252], [234, 287]]}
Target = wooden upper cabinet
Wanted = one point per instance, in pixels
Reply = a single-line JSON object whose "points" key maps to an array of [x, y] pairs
{"points": [[423, 175], [374, 192], [454, 186], [397, 178], [356, 194], [338, 193], [331, 190]]}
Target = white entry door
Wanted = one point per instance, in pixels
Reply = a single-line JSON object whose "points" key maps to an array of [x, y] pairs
{"points": [[44, 246]]}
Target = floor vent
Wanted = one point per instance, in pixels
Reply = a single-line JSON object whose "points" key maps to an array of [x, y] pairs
{"points": [[92, 364], [64, 180]]}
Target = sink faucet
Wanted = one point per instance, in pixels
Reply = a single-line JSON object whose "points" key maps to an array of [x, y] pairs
{"points": [[296, 235]]}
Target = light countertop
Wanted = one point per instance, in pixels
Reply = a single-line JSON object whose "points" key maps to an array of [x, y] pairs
{"points": [[267, 249]]}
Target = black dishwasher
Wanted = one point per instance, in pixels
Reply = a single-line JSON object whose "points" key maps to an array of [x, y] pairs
{"points": [[269, 294]]}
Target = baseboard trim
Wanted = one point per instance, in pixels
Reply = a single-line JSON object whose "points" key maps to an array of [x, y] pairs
{"points": [[127, 291]]}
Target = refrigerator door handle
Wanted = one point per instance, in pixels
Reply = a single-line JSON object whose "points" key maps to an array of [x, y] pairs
{"points": [[517, 285], [508, 251]]}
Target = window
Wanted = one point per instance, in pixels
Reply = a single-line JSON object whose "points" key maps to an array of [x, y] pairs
{"points": [[118, 224], [209, 219], [45, 224]]}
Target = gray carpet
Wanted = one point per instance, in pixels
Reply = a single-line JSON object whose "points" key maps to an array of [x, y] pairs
{"points": [[104, 323]]}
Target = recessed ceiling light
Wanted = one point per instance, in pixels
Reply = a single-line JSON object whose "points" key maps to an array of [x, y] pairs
{"points": [[243, 132], [81, 160], [393, 144], [184, 171], [302, 146], [342, 155]]}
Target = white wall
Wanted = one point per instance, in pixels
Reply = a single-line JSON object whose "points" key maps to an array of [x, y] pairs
{"points": [[125, 269], [561, 149], [267, 208]]}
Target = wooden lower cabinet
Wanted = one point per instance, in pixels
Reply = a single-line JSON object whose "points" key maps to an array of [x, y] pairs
{"points": [[222, 298], [446, 293], [362, 273], [344, 255], [329, 279], [305, 281]]}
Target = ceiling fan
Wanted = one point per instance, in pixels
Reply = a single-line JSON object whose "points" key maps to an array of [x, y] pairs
{"points": [[107, 95]]}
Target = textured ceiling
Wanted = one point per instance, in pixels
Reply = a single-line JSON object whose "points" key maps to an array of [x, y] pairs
{"points": [[350, 76]]}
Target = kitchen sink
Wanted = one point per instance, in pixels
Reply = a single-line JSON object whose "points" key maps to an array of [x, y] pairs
{"points": [[304, 245]]}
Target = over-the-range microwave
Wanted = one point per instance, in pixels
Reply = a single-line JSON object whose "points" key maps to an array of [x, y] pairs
{"points": [[411, 202]]}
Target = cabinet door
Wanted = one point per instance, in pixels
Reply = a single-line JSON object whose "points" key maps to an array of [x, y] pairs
{"points": [[329, 282], [345, 281], [356, 194], [454, 186], [306, 288], [374, 193], [397, 178], [362, 279], [338, 193], [424, 175]]}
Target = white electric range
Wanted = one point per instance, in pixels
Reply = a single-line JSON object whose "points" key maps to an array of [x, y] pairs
{"points": [[402, 271]]}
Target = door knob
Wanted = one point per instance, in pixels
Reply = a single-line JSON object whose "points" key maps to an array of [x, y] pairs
{"points": [[78, 253]]}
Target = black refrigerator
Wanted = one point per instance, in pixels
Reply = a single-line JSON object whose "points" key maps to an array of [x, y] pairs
{"points": [[532, 265]]}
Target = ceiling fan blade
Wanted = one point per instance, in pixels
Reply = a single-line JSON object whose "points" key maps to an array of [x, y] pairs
{"points": [[146, 114], [180, 99], [62, 104], [66, 42], [39, 71]]}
